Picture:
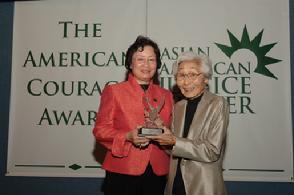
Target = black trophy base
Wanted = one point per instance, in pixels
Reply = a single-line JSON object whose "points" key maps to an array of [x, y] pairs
{"points": [[146, 131]]}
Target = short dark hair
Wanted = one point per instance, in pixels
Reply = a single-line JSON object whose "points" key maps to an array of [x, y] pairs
{"points": [[140, 43]]}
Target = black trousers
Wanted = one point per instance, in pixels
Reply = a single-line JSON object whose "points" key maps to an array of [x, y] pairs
{"points": [[179, 186], [145, 184]]}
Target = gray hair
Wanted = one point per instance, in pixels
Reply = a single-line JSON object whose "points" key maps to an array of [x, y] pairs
{"points": [[205, 63]]}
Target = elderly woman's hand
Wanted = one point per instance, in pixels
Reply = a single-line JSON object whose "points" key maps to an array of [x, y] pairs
{"points": [[165, 139]]}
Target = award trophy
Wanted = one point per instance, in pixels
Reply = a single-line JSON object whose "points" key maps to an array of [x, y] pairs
{"points": [[152, 118]]}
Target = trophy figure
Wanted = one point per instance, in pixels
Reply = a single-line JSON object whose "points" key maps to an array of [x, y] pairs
{"points": [[153, 122]]}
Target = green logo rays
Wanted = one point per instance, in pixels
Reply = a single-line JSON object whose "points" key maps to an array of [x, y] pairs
{"points": [[254, 46]]}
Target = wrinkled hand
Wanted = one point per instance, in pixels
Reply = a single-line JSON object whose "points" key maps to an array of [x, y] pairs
{"points": [[139, 142], [165, 139]]}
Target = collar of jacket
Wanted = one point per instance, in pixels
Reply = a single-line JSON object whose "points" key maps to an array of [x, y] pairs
{"points": [[134, 83]]}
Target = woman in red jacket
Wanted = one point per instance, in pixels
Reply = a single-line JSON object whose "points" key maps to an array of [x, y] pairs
{"points": [[134, 164]]}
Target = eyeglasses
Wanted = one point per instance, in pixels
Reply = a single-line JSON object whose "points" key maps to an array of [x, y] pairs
{"points": [[190, 76]]}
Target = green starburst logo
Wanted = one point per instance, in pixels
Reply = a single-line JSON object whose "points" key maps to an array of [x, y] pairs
{"points": [[254, 46]]}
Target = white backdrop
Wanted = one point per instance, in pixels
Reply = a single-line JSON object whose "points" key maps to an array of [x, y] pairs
{"points": [[64, 52]]}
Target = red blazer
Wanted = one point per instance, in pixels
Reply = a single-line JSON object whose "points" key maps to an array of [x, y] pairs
{"points": [[121, 110]]}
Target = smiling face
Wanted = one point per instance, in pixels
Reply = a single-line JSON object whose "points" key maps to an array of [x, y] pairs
{"points": [[144, 65], [190, 79]]}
